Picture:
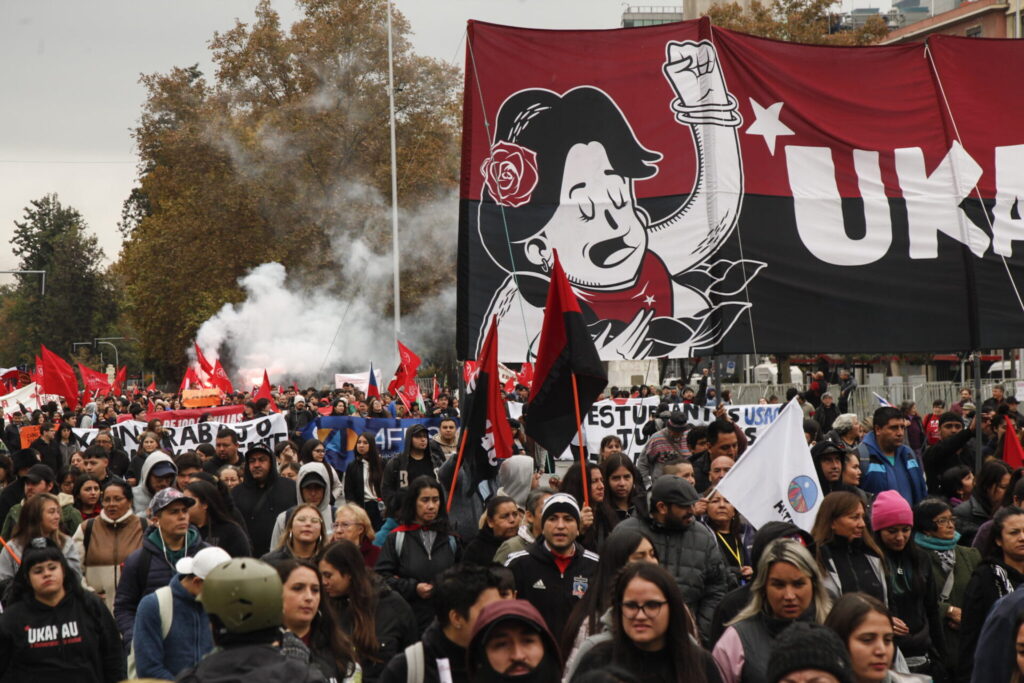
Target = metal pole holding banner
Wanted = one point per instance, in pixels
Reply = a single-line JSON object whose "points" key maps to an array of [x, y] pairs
{"points": [[977, 413], [718, 380]]}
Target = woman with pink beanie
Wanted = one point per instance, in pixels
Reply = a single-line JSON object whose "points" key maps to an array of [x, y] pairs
{"points": [[913, 595]]}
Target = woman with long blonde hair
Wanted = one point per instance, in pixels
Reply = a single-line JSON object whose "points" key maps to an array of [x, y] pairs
{"points": [[306, 535]]}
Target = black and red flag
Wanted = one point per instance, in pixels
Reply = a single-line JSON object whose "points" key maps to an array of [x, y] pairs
{"points": [[708, 190], [486, 437], [568, 375]]}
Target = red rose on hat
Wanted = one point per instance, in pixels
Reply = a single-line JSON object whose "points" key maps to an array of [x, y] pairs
{"points": [[510, 173]]}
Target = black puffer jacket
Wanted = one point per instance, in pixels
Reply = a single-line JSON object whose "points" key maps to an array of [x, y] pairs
{"points": [[691, 555], [75, 641], [969, 516], [260, 505]]}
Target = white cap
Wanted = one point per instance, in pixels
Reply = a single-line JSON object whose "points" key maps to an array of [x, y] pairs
{"points": [[203, 563]]}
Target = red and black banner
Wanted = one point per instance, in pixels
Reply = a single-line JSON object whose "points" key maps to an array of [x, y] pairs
{"points": [[486, 434], [569, 375], [711, 192]]}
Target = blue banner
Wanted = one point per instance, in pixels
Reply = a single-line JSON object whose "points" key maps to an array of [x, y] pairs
{"points": [[339, 434]]}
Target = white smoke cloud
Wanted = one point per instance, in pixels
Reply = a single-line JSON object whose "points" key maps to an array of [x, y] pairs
{"points": [[307, 333]]}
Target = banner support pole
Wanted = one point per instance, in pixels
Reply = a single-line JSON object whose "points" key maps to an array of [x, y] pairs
{"points": [[977, 411], [458, 466], [584, 475]]}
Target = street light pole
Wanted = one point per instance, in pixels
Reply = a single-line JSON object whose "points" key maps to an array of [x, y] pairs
{"points": [[42, 291]]}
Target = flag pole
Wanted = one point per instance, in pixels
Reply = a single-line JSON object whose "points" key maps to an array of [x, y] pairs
{"points": [[584, 475], [458, 466]]}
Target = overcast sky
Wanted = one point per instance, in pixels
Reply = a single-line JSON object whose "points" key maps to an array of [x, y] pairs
{"points": [[70, 93]]}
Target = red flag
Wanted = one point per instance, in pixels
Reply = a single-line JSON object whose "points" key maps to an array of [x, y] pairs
{"points": [[219, 378], [264, 392], [152, 386], [566, 350], [510, 385], [372, 390], [190, 380], [468, 368], [409, 359], [94, 380], [1013, 452], [204, 364], [437, 390], [59, 378], [525, 375], [120, 378], [150, 406], [486, 435], [37, 374]]}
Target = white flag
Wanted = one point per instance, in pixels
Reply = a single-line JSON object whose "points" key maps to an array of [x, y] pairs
{"points": [[27, 396], [774, 480]]}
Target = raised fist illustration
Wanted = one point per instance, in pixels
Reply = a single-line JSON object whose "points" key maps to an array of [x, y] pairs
{"points": [[695, 73]]}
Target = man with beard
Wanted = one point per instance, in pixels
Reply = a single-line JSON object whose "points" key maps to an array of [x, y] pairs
{"points": [[511, 642], [688, 551]]}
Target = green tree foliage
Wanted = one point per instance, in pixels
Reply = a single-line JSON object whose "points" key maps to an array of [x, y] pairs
{"points": [[79, 304], [280, 155], [797, 21]]}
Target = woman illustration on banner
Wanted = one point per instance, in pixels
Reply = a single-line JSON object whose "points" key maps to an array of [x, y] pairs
{"points": [[561, 177]]}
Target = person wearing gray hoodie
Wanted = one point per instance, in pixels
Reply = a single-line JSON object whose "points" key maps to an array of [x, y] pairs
{"points": [[310, 487], [158, 472]]}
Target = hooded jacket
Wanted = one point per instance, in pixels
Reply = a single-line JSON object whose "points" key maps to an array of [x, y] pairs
{"points": [[253, 664], [145, 570], [188, 641], [143, 494], [904, 474], [76, 640], [553, 592], [261, 504], [521, 611], [515, 477], [110, 544], [326, 507]]}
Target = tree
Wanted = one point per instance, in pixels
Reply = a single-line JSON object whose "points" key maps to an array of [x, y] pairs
{"points": [[797, 21], [282, 156], [78, 305]]}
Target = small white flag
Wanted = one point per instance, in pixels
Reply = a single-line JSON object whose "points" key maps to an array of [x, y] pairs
{"points": [[775, 480]]}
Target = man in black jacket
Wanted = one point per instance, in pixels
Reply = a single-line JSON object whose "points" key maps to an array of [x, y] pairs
{"points": [[22, 462], [262, 496], [951, 450], [554, 573], [48, 448], [460, 594]]}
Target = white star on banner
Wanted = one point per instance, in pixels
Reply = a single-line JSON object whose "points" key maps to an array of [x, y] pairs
{"points": [[767, 124]]}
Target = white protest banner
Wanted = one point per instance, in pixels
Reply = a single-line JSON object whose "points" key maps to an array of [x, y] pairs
{"points": [[360, 380], [626, 420], [774, 480], [27, 396], [270, 430]]}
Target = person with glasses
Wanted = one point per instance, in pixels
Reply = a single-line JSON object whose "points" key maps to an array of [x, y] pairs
{"points": [[788, 588], [351, 523], [952, 566], [311, 486], [305, 537], [651, 631]]}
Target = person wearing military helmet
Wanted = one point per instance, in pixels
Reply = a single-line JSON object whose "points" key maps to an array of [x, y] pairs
{"points": [[243, 598]]}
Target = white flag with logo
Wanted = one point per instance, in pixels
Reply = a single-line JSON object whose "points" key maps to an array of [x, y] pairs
{"points": [[27, 396], [774, 480]]}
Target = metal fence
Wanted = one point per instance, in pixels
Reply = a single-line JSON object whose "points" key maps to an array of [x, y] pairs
{"points": [[863, 401]]}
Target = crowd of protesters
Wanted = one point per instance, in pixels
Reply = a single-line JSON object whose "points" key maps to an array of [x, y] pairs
{"points": [[137, 562]]}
